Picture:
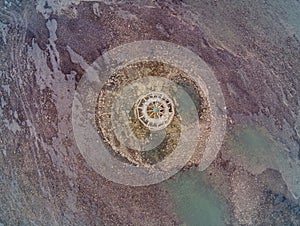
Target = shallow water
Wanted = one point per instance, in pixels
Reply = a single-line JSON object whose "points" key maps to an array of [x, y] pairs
{"points": [[196, 201], [256, 149]]}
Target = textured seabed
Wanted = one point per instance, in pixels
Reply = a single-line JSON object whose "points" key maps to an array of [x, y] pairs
{"points": [[254, 50]]}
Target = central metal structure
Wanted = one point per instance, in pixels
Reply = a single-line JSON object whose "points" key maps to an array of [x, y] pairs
{"points": [[155, 110]]}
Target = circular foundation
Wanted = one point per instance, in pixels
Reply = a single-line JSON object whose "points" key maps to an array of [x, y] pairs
{"points": [[117, 144], [130, 137], [155, 110]]}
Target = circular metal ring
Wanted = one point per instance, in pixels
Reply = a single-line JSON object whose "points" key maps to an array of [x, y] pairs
{"points": [[155, 110]]}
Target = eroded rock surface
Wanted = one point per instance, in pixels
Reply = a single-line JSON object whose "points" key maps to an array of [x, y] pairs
{"points": [[253, 48]]}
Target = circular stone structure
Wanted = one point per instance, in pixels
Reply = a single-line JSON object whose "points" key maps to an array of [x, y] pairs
{"points": [[126, 137], [155, 110], [192, 134]]}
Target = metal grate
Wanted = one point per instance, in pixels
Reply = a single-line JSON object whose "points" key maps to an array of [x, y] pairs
{"points": [[155, 110]]}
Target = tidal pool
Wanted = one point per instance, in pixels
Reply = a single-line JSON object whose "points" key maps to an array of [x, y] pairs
{"points": [[255, 148], [197, 202]]}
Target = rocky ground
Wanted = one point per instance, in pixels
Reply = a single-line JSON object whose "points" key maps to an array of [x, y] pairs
{"points": [[252, 47]]}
